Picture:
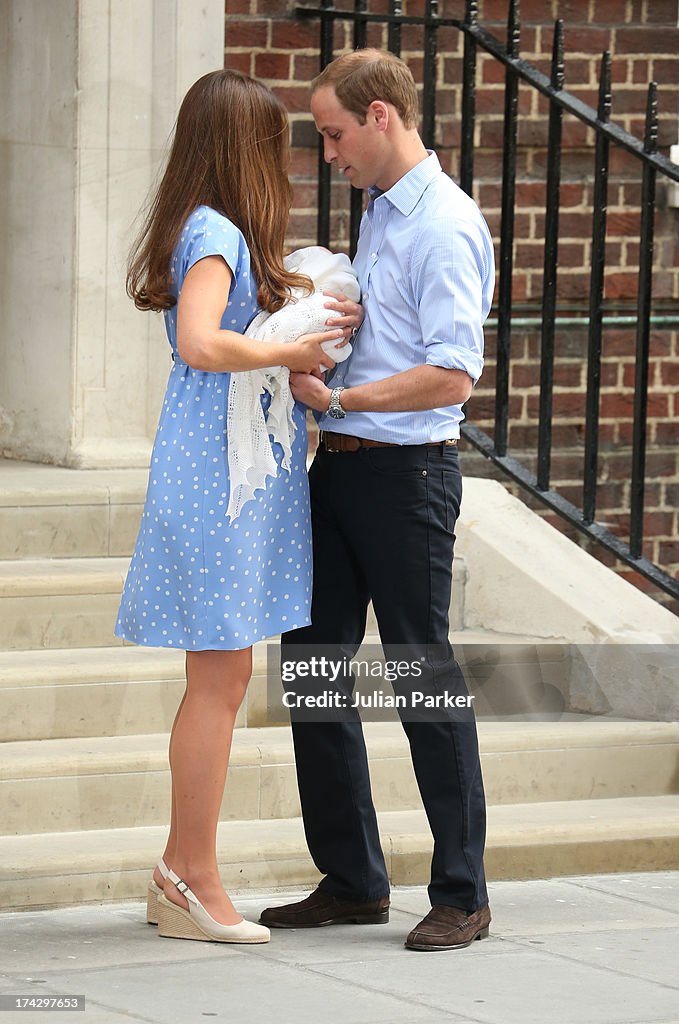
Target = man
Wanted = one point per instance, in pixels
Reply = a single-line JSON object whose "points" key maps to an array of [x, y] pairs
{"points": [[385, 491]]}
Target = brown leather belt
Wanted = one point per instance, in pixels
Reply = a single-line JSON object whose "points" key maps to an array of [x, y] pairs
{"points": [[333, 442]]}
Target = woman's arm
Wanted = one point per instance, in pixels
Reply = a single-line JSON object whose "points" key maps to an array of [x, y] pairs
{"points": [[203, 345]]}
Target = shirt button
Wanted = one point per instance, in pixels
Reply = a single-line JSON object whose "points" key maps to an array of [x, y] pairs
{"points": [[374, 255]]}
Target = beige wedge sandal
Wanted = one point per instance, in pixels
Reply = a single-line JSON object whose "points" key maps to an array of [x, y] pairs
{"points": [[195, 923]]}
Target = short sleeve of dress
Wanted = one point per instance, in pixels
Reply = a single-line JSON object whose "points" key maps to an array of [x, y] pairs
{"points": [[208, 233]]}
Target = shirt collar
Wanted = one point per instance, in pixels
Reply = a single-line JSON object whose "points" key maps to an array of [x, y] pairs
{"points": [[408, 190]]}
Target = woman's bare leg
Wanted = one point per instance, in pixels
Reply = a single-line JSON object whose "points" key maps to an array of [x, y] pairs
{"points": [[171, 843], [199, 757]]}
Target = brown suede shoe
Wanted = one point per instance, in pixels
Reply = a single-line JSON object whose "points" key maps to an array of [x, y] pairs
{"points": [[449, 928], [322, 908]]}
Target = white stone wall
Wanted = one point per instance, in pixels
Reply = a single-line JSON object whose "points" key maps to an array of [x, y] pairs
{"points": [[88, 94], [37, 213]]}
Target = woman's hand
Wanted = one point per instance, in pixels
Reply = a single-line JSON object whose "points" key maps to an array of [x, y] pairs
{"points": [[310, 391], [350, 314], [305, 354]]}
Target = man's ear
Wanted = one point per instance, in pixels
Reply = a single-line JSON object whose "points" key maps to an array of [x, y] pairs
{"points": [[378, 112]]}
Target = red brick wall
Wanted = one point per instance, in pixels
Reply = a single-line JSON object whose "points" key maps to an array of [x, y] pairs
{"points": [[265, 38]]}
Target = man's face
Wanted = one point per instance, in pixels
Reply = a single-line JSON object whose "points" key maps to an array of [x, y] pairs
{"points": [[357, 150]]}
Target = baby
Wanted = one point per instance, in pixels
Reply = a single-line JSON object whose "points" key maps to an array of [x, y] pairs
{"points": [[249, 433]]}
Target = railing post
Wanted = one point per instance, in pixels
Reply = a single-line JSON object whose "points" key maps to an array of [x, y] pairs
{"points": [[550, 265], [394, 30], [468, 101], [596, 296], [429, 85], [356, 194], [323, 228], [643, 328], [504, 328], [360, 25]]}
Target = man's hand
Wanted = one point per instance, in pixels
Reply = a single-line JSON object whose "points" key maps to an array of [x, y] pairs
{"points": [[310, 390], [348, 314]]}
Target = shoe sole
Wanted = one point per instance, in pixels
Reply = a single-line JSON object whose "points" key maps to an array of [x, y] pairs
{"points": [[372, 919], [421, 947]]}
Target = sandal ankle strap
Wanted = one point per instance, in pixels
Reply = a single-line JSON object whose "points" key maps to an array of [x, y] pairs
{"points": [[184, 889]]}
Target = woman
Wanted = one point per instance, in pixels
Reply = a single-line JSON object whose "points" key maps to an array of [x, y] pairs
{"points": [[210, 255]]}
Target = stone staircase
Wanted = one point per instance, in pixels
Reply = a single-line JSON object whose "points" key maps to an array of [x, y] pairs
{"points": [[84, 721]]}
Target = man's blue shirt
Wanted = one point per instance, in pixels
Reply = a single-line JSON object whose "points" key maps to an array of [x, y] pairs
{"points": [[426, 269]]}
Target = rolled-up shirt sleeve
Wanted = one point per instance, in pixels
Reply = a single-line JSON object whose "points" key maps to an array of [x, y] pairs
{"points": [[453, 277]]}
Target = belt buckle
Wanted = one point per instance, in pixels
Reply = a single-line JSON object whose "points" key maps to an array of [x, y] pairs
{"points": [[324, 441]]}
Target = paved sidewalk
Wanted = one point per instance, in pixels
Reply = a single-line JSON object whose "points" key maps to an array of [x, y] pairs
{"points": [[598, 949]]}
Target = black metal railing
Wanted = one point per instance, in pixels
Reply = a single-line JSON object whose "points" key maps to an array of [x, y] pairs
{"points": [[607, 134]]}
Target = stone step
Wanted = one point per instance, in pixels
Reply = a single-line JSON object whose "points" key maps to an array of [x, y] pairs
{"points": [[52, 786], [73, 602], [86, 692], [61, 602], [536, 840], [53, 512], [118, 691]]}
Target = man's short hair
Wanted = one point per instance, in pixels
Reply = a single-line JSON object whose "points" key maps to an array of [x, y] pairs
{"points": [[363, 76]]}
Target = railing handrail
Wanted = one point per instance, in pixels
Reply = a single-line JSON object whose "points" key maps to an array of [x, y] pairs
{"points": [[569, 103]]}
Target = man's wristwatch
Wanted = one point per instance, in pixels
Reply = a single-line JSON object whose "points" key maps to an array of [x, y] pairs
{"points": [[335, 408]]}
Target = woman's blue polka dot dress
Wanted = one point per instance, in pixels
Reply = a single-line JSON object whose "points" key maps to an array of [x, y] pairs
{"points": [[197, 581]]}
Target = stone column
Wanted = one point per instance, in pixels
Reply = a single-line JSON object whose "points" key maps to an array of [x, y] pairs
{"points": [[89, 90]]}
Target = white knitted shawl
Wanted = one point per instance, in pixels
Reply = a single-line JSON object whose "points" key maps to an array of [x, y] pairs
{"points": [[249, 434]]}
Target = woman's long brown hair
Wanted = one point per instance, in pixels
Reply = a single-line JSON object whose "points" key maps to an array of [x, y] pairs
{"points": [[230, 152]]}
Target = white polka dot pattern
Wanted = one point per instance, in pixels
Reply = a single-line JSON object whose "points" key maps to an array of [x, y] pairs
{"points": [[196, 581]]}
